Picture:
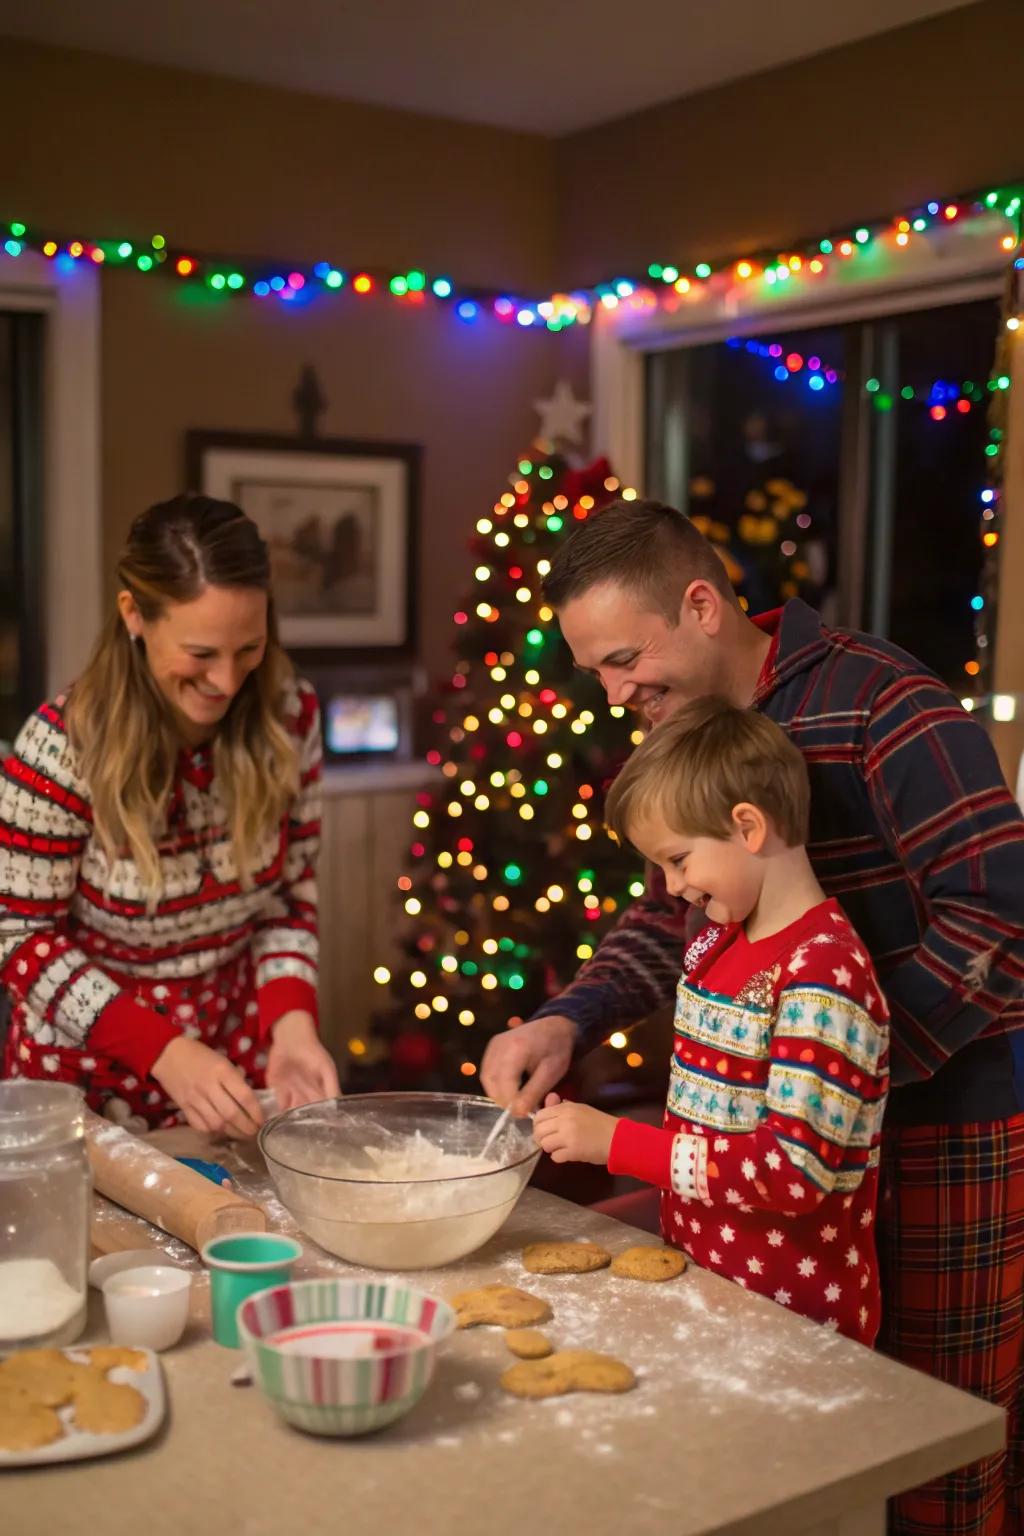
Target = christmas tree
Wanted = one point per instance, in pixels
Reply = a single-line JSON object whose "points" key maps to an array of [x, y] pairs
{"points": [[511, 879]]}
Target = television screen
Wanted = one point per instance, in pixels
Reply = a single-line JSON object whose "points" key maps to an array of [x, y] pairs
{"points": [[361, 723]]}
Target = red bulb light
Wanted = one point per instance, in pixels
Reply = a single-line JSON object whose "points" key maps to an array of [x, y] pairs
{"points": [[417, 850], [963, 406], [185, 266], [433, 757], [938, 413], [794, 362], [514, 739], [362, 283], [461, 618]]}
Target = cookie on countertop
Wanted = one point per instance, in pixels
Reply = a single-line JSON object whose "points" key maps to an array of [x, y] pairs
{"points": [[571, 1370], [504, 1306], [645, 1262], [529, 1343], [564, 1258]]}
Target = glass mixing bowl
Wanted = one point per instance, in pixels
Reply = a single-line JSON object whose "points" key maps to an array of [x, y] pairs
{"points": [[394, 1181]]}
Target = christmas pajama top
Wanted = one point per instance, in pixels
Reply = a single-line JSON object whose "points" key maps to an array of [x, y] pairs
{"points": [[100, 983], [768, 1156]]}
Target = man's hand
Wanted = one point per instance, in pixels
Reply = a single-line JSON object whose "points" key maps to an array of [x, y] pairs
{"points": [[573, 1133], [299, 1068], [210, 1092], [540, 1050]]}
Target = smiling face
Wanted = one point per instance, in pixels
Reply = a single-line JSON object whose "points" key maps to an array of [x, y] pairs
{"points": [[201, 652], [723, 876], [641, 660]]}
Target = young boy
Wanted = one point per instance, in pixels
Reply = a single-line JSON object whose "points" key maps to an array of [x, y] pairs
{"points": [[768, 1157]]}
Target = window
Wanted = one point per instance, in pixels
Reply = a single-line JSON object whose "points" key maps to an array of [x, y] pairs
{"points": [[841, 464]]}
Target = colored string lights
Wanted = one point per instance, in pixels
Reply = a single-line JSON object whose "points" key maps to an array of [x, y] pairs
{"points": [[298, 282]]}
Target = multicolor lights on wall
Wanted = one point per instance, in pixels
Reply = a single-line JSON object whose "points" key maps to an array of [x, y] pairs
{"points": [[297, 282]]}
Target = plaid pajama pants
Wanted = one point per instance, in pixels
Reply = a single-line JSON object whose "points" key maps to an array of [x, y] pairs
{"points": [[951, 1250]]}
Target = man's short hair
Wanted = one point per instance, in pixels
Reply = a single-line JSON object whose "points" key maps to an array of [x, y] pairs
{"points": [[701, 762], [649, 549]]}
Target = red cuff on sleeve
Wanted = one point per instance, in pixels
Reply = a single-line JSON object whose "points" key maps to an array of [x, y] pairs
{"points": [[642, 1152], [281, 996], [131, 1033]]}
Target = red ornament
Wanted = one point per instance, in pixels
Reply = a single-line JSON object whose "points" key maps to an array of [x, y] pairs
{"points": [[587, 482]]}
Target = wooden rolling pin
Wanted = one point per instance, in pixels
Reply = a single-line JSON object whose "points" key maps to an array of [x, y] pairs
{"points": [[174, 1198]]}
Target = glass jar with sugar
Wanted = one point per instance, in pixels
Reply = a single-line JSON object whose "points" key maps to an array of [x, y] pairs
{"points": [[45, 1190]]}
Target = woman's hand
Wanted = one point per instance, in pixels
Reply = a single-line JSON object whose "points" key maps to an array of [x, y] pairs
{"points": [[573, 1133], [299, 1068], [212, 1094]]}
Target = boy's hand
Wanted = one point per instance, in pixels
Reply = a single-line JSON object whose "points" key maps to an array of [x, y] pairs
{"points": [[573, 1133]]}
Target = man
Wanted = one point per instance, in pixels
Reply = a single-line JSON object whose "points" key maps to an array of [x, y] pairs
{"points": [[914, 830]]}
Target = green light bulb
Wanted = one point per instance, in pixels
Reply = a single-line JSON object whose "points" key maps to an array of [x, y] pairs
{"points": [[535, 637]]}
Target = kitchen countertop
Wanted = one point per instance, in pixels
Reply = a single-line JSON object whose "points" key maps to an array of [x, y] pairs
{"points": [[747, 1421]]}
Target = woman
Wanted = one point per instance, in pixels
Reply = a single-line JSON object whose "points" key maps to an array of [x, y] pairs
{"points": [[158, 837]]}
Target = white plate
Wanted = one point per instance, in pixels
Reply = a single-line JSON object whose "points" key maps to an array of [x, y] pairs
{"points": [[76, 1444]]}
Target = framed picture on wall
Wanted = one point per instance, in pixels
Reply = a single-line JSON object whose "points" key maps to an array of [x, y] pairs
{"points": [[340, 520]]}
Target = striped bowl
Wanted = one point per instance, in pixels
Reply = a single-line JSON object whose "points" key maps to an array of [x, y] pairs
{"points": [[339, 1357]]}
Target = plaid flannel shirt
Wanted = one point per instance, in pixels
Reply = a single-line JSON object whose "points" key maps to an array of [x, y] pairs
{"points": [[915, 832]]}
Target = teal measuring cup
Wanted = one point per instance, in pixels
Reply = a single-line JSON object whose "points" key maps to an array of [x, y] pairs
{"points": [[240, 1265]]}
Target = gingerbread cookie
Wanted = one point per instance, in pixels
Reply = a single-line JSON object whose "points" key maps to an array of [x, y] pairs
{"points": [[45, 1376], [528, 1343], [646, 1263], [564, 1258], [25, 1425], [504, 1306], [104, 1408], [107, 1357], [571, 1370]]}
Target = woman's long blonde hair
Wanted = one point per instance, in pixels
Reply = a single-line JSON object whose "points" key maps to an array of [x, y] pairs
{"points": [[120, 726]]}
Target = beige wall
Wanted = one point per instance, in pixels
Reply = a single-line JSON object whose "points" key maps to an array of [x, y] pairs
{"points": [[108, 147], [855, 133]]}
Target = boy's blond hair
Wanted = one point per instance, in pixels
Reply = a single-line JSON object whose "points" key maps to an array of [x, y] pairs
{"points": [[704, 760]]}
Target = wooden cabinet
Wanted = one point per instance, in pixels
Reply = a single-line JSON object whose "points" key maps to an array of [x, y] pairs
{"points": [[366, 831]]}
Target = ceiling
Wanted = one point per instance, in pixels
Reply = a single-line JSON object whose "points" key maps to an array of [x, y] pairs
{"points": [[545, 66]]}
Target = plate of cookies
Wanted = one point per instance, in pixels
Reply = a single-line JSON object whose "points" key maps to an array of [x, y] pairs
{"points": [[66, 1404]]}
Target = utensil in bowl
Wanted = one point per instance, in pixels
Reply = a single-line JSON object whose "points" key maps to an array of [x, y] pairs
{"points": [[328, 1162]]}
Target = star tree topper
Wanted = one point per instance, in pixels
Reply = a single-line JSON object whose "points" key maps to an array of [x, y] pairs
{"points": [[561, 416]]}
